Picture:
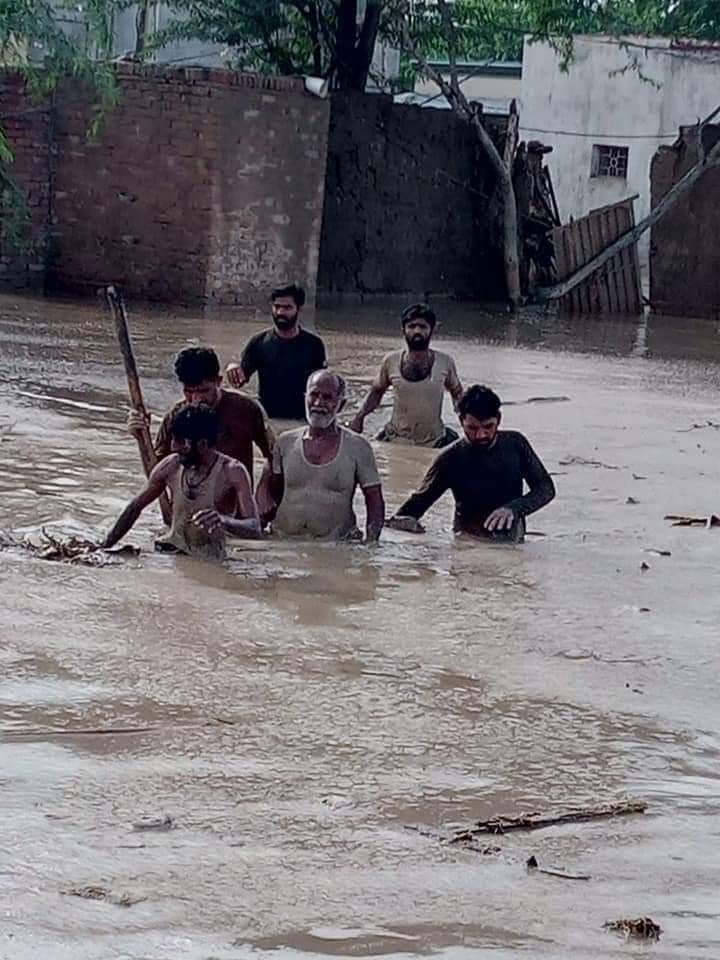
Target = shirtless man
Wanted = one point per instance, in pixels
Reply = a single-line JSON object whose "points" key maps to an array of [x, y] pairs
{"points": [[317, 469], [419, 378], [241, 422], [485, 472], [211, 492]]}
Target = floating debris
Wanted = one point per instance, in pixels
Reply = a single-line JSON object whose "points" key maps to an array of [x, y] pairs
{"points": [[582, 462], [155, 823], [537, 821], [643, 928], [534, 867], [100, 893], [70, 549], [680, 521]]}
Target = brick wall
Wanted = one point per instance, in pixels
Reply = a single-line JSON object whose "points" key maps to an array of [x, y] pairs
{"points": [[684, 244], [202, 185], [407, 203], [26, 125]]}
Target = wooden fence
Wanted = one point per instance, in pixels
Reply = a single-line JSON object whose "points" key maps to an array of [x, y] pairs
{"points": [[615, 287]]}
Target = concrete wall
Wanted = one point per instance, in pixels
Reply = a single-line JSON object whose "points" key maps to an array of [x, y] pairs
{"points": [[26, 125], [203, 185], [406, 203], [685, 246], [592, 103]]}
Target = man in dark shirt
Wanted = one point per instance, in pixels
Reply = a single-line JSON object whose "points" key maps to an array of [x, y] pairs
{"points": [[485, 472], [241, 422], [283, 357]]}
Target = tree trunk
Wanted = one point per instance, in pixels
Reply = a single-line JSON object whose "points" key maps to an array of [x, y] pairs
{"points": [[354, 49]]}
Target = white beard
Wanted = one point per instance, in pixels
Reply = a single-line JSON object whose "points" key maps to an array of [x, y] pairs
{"points": [[321, 421]]}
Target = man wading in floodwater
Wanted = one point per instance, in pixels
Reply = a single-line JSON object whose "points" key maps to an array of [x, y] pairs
{"points": [[419, 378], [211, 492], [283, 357], [485, 472], [240, 420], [317, 469]]}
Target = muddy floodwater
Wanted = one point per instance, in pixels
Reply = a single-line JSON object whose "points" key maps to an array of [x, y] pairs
{"points": [[297, 710]]}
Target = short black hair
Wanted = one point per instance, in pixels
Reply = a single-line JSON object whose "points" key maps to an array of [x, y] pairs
{"points": [[195, 423], [293, 290], [419, 311], [479, 402], [194, 365]]}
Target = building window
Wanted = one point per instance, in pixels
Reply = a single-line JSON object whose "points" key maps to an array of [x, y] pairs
{"points": [[608, 161]]}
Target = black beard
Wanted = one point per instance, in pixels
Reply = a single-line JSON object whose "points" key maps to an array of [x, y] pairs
{"points": [[282, 323], [190, 459], [418, 342]]}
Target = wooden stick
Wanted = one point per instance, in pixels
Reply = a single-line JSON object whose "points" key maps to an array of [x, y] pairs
{"points": [[536, 821], [144, 440]]}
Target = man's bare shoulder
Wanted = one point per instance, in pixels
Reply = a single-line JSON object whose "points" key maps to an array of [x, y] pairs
{"points": [[167, 466], [233, 469]]}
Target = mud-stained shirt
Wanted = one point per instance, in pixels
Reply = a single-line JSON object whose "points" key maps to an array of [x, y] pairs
{"points": [[318, 498], [481, 480], [241, 423], [417, 404]]}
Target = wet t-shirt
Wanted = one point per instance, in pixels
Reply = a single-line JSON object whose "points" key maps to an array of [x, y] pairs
{"points": [[283, 366], [417, 404], [241, 423], [481, 480], [318, 498]]}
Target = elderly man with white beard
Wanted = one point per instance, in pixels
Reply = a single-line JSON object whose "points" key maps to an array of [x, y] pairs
{"points": [[317, 469]]}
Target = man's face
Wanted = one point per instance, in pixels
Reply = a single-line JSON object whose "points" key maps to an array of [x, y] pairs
{"points": [[284, 313], [480, 433], [207, 392], [189, 451], [322, 403], [418, 334]]}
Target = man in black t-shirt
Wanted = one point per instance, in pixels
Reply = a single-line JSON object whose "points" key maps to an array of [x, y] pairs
{"points": [[485, 471], [283, 357]]}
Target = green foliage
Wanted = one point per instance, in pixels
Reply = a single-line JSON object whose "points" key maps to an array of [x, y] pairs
{"points": [[33, 44]]}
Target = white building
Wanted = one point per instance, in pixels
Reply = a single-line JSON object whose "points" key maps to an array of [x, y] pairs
{"points": [[494, 83], [608, 113]]}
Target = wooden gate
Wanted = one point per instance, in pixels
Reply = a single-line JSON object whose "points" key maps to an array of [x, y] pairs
{"points": [[615, 287]]}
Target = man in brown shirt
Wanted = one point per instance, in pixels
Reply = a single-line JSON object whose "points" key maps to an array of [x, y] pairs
{"points": [[240, 419]]}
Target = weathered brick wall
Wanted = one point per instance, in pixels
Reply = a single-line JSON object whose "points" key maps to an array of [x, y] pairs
{"points": [[202, 185], [684, 244], [406, 203], [26, 125]]}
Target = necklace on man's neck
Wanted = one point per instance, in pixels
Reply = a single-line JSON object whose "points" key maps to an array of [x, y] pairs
{"points": [[191, 488]]}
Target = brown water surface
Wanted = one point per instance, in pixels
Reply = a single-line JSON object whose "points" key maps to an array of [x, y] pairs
{"points": [[297, 710]]}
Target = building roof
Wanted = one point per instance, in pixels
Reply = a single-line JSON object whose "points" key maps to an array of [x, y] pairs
{"points": [[481, 68]]}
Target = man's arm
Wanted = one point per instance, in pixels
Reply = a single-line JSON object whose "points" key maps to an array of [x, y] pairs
{"points": [[271, 486], [238, 374], [247, 525], [263, 434], [372, 400], [540, 483], [453, 385], [375, 509], [435, 483], [154, 486]]}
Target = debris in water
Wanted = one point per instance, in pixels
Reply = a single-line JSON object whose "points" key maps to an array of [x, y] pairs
{"points": [[537, 821], [680, 521], [632, 500], [532, 865], [582, 462], [701, 426], [643, 928], [517, 403], [70, 549], [659, 553], [638, 476], [100, 893], [155, 823], [644, 566]]}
